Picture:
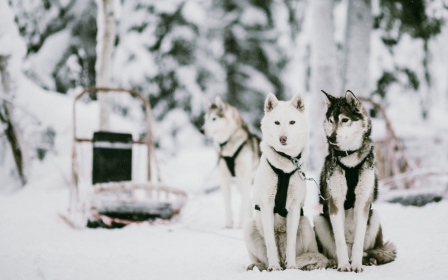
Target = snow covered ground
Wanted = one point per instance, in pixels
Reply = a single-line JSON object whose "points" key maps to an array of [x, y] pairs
{"points": [[36, 244]]}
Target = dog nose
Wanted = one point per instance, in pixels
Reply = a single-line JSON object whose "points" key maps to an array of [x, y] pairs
{"points": [[283, 139], [332, 138]]}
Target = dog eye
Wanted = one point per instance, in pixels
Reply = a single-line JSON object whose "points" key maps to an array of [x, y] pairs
{"points": [[277, 123], [344, 120], [330, 120], [292, 122]]}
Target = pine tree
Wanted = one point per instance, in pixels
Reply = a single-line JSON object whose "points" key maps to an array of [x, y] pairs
{"points": [[57, 32], [396, 19], [165, 49], [253, 59]]}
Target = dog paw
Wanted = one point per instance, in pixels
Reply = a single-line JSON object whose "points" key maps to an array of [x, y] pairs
{"points": [[369, 261], [274, 268], [260, 267], [228, 225], [356, 268], [308, 267], [291, 267], [344, 268], [332, 263]]}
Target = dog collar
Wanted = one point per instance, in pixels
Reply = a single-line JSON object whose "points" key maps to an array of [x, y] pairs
{"points": [[294, 160], [343, 153]]}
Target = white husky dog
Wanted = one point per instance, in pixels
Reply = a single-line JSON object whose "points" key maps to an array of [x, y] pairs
{"points": [[280, 236], [238, 152]]}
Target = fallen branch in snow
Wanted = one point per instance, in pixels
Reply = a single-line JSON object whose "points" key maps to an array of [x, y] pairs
{"points": [[414, 174]]}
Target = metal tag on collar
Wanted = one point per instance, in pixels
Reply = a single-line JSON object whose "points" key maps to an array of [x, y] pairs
{"points": [[301, 175], [295, 162]]}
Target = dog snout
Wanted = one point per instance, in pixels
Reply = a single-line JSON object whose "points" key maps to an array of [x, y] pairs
{"points": [[283, 140], [332, 138]]}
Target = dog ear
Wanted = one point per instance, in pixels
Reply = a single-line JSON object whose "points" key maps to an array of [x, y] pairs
{"points": [[352, 100], [297, 102], [328, 98], [207, 104], [270, 103], [221, 104]]}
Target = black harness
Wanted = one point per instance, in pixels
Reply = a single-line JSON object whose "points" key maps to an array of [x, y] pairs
{"points": [[351, 177], [282, 186], [230, 161]]}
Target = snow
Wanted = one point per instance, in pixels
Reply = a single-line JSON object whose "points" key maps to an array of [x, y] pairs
{"points": [[36, 244], [42, 64]]}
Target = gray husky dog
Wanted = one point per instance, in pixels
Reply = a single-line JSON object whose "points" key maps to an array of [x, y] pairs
{"points": [[280, 236], [349, 229], [239, 154]]}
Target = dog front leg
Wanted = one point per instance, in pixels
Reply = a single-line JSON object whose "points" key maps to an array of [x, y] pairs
{"points": [[267, 217], [225, 189], [364, 193], [292, 226], [360, 220], [337, 222]]}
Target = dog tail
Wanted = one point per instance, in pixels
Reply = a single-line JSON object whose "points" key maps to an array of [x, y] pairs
{"points": [[381, 255], [310, 261]]}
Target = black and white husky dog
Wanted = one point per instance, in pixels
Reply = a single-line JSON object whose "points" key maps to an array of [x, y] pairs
{"points": [[349, 231], [239, 154]]}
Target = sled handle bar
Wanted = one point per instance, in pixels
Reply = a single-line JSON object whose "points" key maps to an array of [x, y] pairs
{"points": [[149, 138]]}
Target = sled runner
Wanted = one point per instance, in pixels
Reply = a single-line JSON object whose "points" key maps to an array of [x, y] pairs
{"points": [[112, 199]]}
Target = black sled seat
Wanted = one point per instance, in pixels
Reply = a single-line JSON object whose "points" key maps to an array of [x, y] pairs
{"points": [[112, 157]]}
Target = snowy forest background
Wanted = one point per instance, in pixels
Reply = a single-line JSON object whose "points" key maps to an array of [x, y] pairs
{"points": [[180, 53]]}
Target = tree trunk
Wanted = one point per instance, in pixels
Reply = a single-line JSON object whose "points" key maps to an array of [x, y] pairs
{"points": [[357, 48], [105, 45], [5, 117], [323, 74]]}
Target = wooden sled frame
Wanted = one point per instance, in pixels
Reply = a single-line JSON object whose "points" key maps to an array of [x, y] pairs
{"points": [[155, 191]]}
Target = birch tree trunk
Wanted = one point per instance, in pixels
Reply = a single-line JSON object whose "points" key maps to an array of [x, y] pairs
{"points": [[105, 45], [323, 74], [357, 48]]}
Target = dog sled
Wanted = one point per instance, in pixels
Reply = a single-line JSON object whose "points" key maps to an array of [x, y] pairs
{"points": [[112, 199]]}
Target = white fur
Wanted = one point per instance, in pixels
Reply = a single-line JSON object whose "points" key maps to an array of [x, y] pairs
{"points": [[229, 128], [263, 234]]}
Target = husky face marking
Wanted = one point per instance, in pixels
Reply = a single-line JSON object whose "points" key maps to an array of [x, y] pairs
{"points": [[221, 121], [284, 123], [345, 124]]}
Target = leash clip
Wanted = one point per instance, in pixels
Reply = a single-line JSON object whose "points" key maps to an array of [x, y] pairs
{"points": [[295, 162]]}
